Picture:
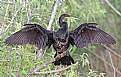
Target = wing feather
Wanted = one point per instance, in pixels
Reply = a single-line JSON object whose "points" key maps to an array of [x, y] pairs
{"points": [[88, 33], [31, 34]]}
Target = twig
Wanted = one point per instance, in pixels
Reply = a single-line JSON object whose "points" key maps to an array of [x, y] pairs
{"points": [[43, 65], [40, 53], [112, 65], [3, 2], [15, 14], [28, 13], [52, 71], [112, 51], [35, 72], [113, 7], [105, 65], [6, 12], [53, 14], [103, 61]]}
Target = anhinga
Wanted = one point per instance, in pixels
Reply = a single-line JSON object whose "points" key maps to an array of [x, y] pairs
{"points": [[81, 36]]}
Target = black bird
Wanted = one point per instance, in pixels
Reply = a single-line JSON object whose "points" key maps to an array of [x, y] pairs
{"points": [[81, 36]]}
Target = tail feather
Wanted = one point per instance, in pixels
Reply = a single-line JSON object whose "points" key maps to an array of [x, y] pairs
{"points": [[66, 60]]}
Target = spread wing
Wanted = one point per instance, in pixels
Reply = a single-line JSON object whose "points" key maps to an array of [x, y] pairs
{"points": [[88, 33], [31, 34]]}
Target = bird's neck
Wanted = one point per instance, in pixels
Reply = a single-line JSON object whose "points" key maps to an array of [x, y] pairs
{"points": [[64, 26], [61, 20]]}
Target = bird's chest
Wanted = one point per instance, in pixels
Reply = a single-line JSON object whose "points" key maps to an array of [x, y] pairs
{"points": [[60, 46]]}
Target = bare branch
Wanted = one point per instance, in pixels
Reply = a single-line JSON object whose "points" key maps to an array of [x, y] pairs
{"points": [[53, 14], [15, 14], [113, 7], [40, 54], [51, 71], [3, 2], [105, 65], [103, 60], [43, 65], [35, 72], [114, 75], [112, 51]]}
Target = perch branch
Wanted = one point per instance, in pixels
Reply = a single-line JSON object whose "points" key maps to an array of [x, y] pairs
{"points": [[35, 72], [113, 7], [53, 14], [52, 71], [43, 65]]}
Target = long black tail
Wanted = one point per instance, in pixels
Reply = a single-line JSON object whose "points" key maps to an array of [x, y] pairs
{"points": [[66, 60]]}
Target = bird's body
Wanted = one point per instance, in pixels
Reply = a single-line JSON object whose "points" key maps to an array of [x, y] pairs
{"points": [[61, 39], [61, 45]]}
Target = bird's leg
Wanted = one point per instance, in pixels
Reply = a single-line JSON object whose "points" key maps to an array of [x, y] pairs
{"points": [[65, 53], [60, 73], [59, 56]]}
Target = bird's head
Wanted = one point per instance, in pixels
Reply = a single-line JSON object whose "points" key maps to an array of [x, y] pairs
{"points": [[64, 15], [61, 19]]}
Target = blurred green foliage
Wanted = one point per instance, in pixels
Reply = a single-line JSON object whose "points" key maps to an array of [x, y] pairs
{"points": [[18, 61]]}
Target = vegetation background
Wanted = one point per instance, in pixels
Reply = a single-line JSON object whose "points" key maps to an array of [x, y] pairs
{"points": [[91, 61]]}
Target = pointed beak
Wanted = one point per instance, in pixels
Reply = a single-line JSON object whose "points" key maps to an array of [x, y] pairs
{"points": [[72, 18]]}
